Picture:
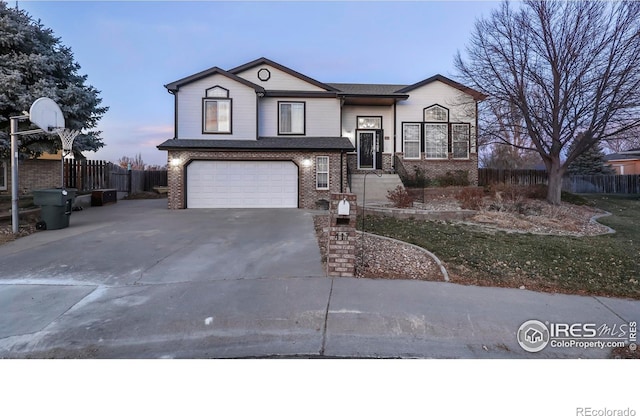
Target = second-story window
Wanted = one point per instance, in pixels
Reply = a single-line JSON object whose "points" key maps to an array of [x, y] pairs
{"points": [[216, 111], [291, 117]]}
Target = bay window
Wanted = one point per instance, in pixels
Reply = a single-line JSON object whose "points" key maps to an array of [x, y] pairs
{"points": [[460, 140], [436, 140]]}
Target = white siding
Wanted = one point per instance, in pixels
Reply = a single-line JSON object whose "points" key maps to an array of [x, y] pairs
{"points": [[243, 112], [279, 80], [461, 107], [350, 115], [322, 116]]}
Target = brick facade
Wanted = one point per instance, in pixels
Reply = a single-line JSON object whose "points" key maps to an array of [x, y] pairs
{"points": [[34, 174], [352, 162], [435, 168], [308, 196]]}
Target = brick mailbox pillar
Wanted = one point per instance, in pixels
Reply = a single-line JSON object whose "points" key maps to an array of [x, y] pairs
{"points": [[341, 253]]}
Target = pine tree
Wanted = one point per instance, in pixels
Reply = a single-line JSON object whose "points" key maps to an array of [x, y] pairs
{"points": [[34, 63], [590, 162]]}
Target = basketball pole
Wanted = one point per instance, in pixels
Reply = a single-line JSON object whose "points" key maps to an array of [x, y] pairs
{"points": [[15, 218]]}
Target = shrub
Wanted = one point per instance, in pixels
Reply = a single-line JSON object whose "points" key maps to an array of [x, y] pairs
{"points": [[471, 198], [417, 180], [456, 178], [400, 198], [421, 180]]}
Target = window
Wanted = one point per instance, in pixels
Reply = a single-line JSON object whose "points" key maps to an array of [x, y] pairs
{"points": [[216, 115], [411, 140], [435, 141], [370, 123], [436, 113], [460, 140], [3, 175], [290, 118], [322, 172]]}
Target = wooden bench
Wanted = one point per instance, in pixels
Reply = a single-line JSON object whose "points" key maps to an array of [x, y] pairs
{"points": [[100, 197]]}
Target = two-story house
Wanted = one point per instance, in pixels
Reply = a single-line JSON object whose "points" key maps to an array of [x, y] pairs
{"points": [[264, 135]]}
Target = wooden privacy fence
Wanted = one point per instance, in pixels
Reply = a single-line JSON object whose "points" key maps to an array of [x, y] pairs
{"points": [[87, 175], [597, 184], [512, 176], [602, 184]]}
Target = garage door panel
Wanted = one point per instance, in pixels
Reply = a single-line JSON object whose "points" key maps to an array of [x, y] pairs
{"points": [[242, 184]]}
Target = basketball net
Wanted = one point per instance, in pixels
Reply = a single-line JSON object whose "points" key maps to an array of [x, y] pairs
{"points": [[67, 136]]}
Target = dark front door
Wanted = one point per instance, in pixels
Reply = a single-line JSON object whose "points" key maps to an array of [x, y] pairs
{"points": [[366, 149]]}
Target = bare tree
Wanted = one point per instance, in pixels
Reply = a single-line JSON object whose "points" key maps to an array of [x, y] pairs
{"points": [[569, 69], [135, 163], [503, 141], [629, 141]]}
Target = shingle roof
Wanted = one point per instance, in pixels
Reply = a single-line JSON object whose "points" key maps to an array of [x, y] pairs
{"points": [[263, 143], [368, 89], [622, 156]]}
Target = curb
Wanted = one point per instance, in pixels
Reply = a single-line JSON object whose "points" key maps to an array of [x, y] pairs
{"points": [[595, 219], [445, 275]]}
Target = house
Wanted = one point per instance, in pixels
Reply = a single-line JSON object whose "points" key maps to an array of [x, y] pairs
{"points": [[264, 135], [625, 163]]}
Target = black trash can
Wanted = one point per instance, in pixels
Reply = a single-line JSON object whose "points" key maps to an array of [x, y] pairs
{"points": [[56, 207]]}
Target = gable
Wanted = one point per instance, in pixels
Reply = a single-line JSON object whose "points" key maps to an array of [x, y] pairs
{"points": [[273, 76], [476, 95]]}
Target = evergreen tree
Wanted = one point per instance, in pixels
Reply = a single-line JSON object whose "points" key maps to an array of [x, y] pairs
{"points": [[590, 162], [34, 63]]}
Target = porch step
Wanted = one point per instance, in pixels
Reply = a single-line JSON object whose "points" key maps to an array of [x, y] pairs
{"points": [[377, 187]]}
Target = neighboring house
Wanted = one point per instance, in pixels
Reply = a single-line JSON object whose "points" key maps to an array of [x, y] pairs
{"points": [[37, 173], [264, 135], [625, 163]]}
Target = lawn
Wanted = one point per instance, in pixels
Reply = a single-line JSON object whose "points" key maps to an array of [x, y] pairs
{"points": [[607, 265]]}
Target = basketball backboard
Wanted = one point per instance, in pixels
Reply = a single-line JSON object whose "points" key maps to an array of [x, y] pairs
{"points": [[46, 114]]}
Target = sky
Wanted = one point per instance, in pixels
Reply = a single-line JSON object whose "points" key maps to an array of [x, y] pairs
{"points": [[130, 49]]}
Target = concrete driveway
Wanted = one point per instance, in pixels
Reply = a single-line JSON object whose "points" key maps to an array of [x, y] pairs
{"points": [[135, 280]]}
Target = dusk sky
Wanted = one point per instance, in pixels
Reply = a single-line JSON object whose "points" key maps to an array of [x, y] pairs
{"points": [[130, 50]]}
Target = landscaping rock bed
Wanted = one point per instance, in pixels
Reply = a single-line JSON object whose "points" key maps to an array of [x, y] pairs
{"points": [[530, 216], [380, 257]]}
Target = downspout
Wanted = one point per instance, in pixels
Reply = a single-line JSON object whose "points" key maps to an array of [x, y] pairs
{"points": [[175, 113], [395, 125], [257, 115], [341, 171]]}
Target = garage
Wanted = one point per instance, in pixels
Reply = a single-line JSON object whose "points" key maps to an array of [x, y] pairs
{"points": [[242, 184]]}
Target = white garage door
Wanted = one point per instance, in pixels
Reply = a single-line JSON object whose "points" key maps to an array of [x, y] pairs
{"points": [[242, 184]]}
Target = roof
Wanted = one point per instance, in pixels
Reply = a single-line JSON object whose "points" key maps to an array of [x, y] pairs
{"points": [[263, 143], [265, 61], [383, 93], [175, 85], [467, 90], [628, 155], [368, 89]]}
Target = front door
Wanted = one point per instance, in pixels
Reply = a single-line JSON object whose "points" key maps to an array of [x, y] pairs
{"points": [[367, 149]]}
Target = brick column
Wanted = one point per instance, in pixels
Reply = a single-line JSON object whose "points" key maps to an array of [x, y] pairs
{"points": [[341, 253]]}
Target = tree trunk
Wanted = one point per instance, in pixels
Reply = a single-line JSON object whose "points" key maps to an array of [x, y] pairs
{"points": [[555, 171]]}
